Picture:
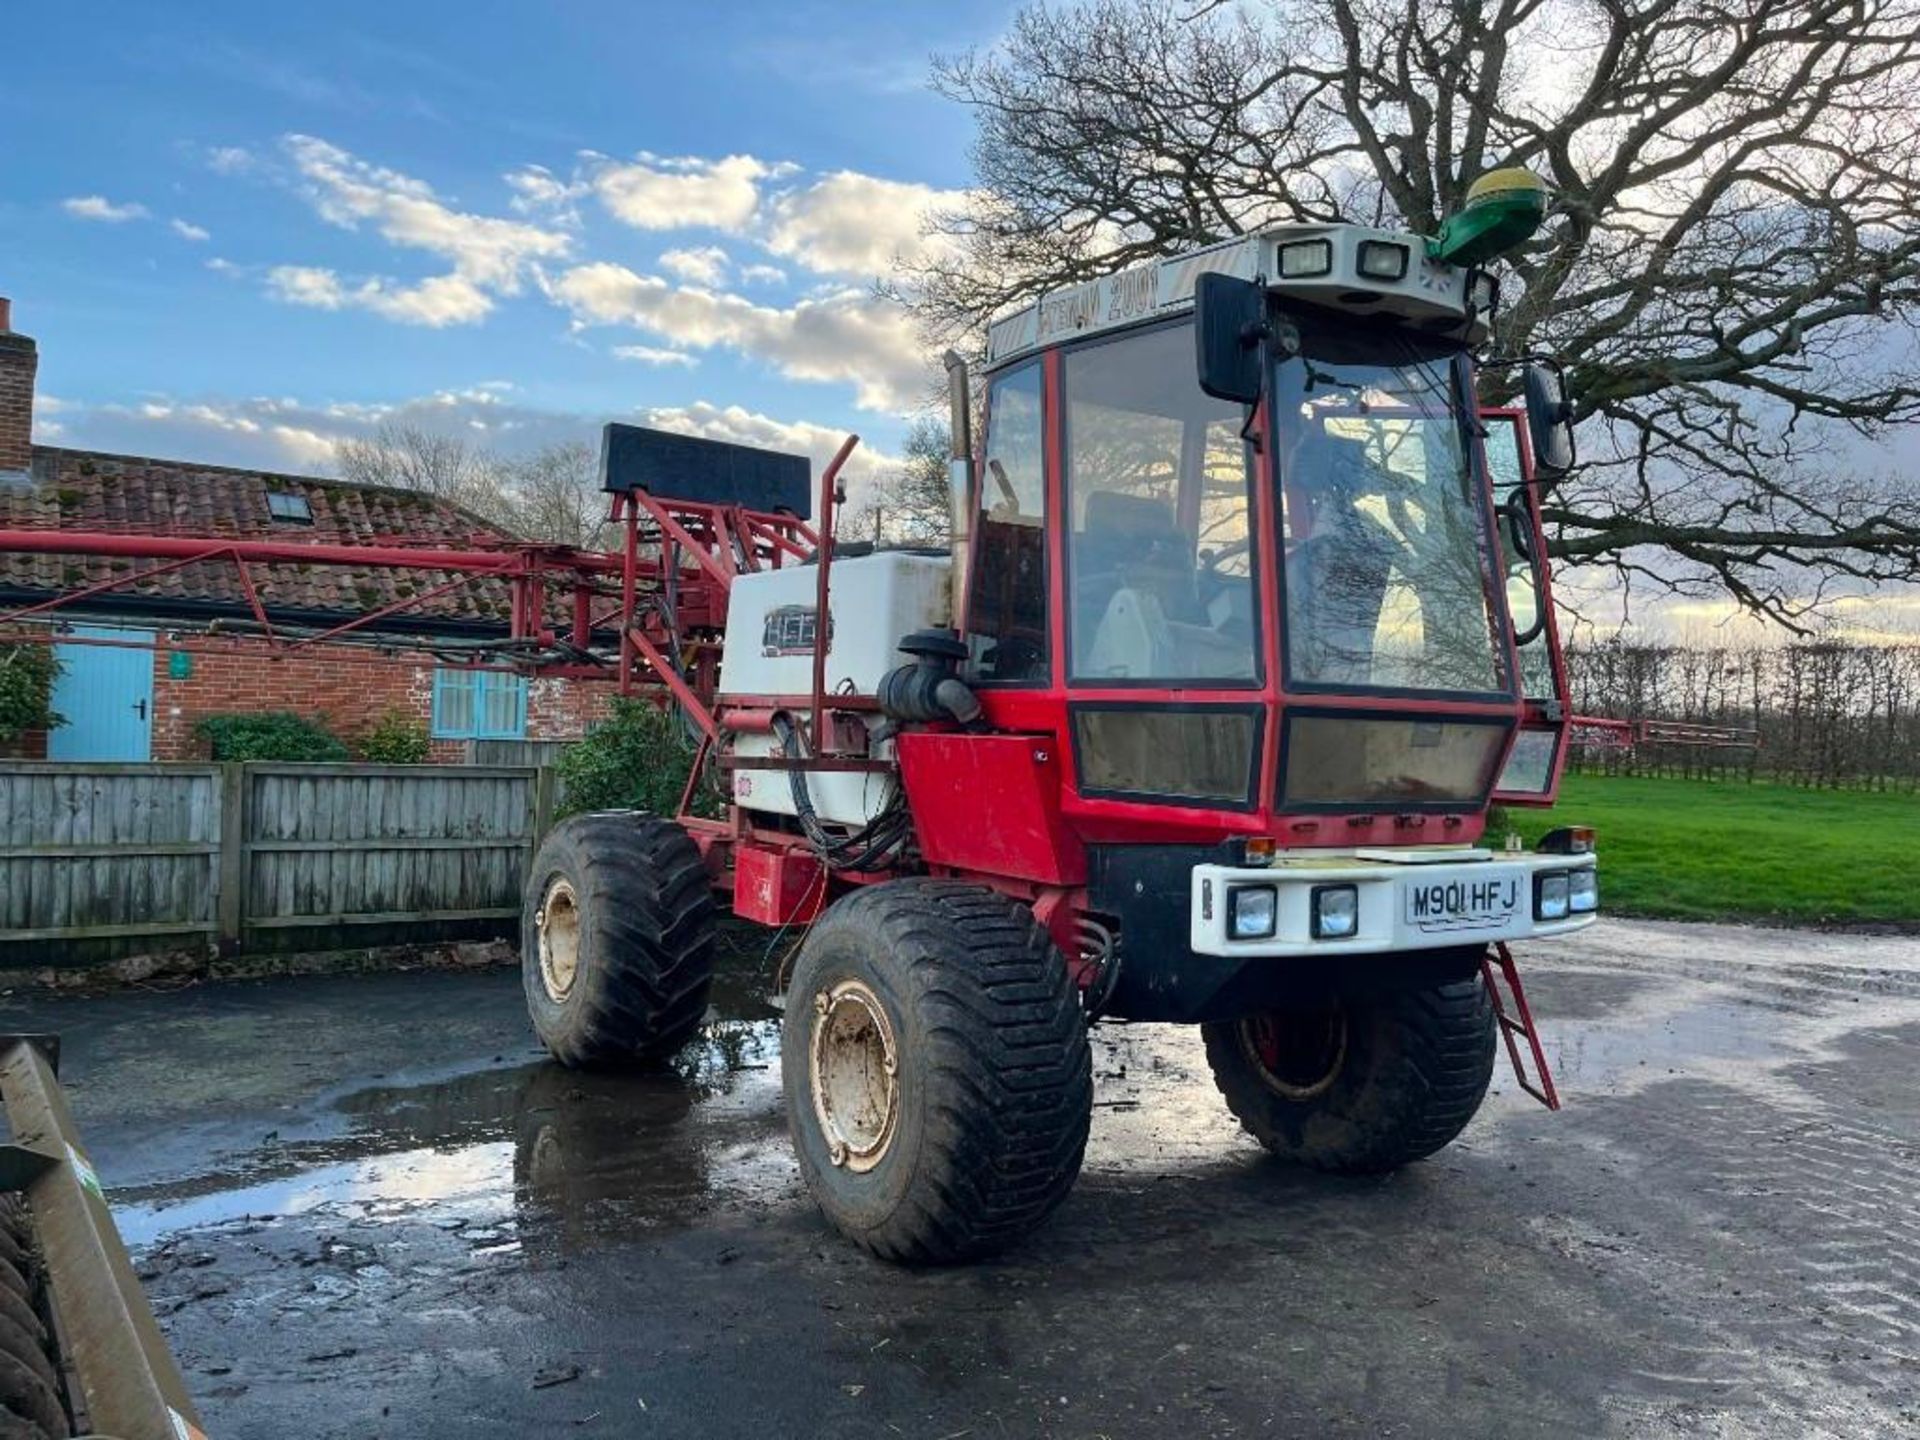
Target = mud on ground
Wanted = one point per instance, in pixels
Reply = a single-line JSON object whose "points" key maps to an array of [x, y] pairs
{"points": [[365, 1206]]}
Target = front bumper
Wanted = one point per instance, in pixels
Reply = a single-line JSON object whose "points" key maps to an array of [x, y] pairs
{"points": [[1391, 890]]}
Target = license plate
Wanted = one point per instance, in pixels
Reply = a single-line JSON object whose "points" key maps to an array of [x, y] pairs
{"points": [[1463, 904]]}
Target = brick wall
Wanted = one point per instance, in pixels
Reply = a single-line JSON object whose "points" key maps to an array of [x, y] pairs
{"points": [[348, 690], [27, 745], [18, 361]]}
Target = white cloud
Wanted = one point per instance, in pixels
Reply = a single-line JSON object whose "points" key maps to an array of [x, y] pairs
{"points": [[852, 224], [653, 192], [487, 250], [306, 285], [285, 433], [220, 265], [229, 160], [848, 336], [537, 190], [188, 231], [490, 256], [762, 275], [98, 207], [652, 355], [45, 407], [700, 265], [437, 301]]}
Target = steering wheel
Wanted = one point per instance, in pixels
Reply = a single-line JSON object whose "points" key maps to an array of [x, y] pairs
{"points": [[1213, 559]]}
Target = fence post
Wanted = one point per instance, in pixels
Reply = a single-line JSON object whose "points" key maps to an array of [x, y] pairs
{"points": [[546, 795], [232, 881]]}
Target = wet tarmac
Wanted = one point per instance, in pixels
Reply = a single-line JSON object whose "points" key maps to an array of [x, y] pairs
{"points": [[365, 1207]]}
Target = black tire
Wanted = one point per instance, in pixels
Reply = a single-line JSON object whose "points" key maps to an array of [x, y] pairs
{"points": [[994, 1093], [1359, 1085], [643, 915], [31, 1404]]}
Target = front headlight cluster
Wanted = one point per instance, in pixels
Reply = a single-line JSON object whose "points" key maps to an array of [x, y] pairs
{"points": [[1253, 912], [1560, 893]]}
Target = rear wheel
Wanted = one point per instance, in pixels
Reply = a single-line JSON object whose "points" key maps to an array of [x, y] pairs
{"points": [[1359, 1084], [938, 1081], [616, 939]]}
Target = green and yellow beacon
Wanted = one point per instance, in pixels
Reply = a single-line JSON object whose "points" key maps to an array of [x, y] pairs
{"points": [[1503, 208]]}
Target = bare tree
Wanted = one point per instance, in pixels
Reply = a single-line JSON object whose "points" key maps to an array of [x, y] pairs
{"points": [[408, 457], [555, 495], [1732, 268], [909, 504], [552, 494]]}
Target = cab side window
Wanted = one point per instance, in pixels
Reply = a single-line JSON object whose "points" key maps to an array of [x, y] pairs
{"points": [[1007, 598]]}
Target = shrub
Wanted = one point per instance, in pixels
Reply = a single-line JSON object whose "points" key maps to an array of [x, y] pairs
{"points": [[397, 739], [275, 735], [27, 673], [635, 759]]}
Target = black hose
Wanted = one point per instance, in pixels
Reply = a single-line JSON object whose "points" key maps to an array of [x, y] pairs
{"points": [[864, 850]]}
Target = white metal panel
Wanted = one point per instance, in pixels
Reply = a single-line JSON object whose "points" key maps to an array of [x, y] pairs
{"points": [[1429, 293], [876, 601], [1382, 890]]}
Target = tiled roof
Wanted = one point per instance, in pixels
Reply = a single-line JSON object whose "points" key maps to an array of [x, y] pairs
{"points": [[127, 494]]}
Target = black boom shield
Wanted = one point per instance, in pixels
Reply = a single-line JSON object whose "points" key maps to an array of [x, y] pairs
{"points": [[711, 472]]}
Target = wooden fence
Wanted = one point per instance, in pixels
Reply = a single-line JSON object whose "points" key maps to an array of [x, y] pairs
{"points": [[99, 861]]}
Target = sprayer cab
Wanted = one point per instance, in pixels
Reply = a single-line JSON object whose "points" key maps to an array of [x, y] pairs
{"points": [[1241, 515]]}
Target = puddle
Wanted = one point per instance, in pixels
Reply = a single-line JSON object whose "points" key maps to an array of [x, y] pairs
{"points": [[472, 1182], [570, 1154], [1615, 1054]]}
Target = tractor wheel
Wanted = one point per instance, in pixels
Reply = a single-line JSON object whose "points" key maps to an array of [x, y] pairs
{"points": [[30, 1388], [1359, 1085], [616, 939], [937, 1076]]}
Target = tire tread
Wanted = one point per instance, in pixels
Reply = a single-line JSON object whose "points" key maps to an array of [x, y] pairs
{"points": [[1008, 1073]]}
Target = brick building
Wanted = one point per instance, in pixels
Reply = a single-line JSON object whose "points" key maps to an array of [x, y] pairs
{"points": [[166, 666]]}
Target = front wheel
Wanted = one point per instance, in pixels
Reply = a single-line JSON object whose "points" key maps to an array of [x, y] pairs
{"points": [[938, 1081], [1359, 1085]]}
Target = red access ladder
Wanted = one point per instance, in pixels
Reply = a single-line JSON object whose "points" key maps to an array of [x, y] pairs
{"points": [[1516, 1024]]}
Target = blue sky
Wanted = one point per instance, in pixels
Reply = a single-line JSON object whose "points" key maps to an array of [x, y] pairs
{"points": [[241, 230]]}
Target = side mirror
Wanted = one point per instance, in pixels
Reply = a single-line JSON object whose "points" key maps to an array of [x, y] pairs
{"points": [[1549, 420], [1229, 320]]}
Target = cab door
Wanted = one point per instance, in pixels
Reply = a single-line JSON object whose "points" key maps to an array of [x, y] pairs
{"points": [[1532, 772]]}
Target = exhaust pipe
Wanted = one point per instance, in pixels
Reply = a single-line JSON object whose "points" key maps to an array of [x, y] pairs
{"points": [[959, 476]]}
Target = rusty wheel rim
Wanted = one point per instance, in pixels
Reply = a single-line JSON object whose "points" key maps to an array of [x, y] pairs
{"points": [[558, 922], [1298, 1054], [854, 1073]]}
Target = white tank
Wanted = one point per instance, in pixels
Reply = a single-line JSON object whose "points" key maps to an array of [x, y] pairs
{"points": [[876, 601]]}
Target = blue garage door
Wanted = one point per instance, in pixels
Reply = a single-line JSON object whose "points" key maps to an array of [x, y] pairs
{"points": [[106, 695]]}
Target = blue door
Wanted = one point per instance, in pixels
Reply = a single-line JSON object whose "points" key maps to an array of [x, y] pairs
{"points": [[106, 694]]}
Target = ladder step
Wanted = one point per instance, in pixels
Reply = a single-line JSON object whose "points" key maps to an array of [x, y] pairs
{"points": [[1495, 966]]}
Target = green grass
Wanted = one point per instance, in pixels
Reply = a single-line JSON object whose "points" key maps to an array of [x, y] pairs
{"points": [[1705, 850]]}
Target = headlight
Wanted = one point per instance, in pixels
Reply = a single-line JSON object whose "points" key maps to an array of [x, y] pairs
{"points": [[1381, 260], [1252, 912], [1336, 912], [1583, 892], [1550, 895], [1304, 259]]}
